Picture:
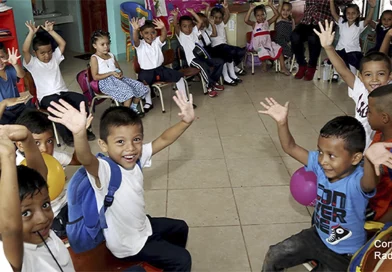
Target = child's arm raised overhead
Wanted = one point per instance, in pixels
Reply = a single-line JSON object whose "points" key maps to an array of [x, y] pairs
{"points": [[226, 15], [29, 38], [160, 25], [207, 10], [386, 43], [59, 40], [135, 33], [369, 16], [175, 21], [199, 21], [326, 39], [332, 7], [247, 17], [11, 225], [280, 114], [75, 121], [170, 135], [274, 10], [375, 156], [214, 33]]}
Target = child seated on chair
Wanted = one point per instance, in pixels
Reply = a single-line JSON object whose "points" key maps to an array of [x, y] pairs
{"points": [[382, 27], [11, 104], [374, 71], [379, 116], [150, 57], [27, 243], [343, 190], [131, 233], [187, 35], [41, 129], [45, 70], [105, 69]]}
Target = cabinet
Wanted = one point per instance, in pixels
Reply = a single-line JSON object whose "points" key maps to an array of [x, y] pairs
{"points": [[7, 21]]}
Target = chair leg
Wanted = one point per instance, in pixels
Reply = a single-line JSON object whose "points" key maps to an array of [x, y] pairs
{"points": [[141, 105], [253, 64], [277, 66], [319, 68], [161, 97], [56, 135], [187, 88], [292, 63], [203, 84], [92, 105]]}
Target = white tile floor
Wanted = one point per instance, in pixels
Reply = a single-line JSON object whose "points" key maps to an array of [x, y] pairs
{"points": [[227, 176]]}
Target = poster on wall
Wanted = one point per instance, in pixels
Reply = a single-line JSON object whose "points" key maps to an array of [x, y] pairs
{"points": [[162, 9]]}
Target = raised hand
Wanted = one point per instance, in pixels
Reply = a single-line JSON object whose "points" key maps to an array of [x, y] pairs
{"points": [[205, 4], [15, 132], [190, 10], [372, 3], [278, 112], [187, 113], [68, 116], [31, 26], [13, 56], [158, 24], [211, 20], [251, 6], [378, 155], [225, 4], [135, 23], [326, 34], [48, 26]]}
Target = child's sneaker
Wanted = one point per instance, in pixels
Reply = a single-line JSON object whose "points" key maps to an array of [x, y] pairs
{"points": [[217, 87], [211, 92]]}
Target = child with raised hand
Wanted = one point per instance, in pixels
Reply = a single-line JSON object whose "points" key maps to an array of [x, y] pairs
{"points": [[105, 69], [11, 104], [150, 56], [284, 26], [350, 29], [131, 233], [44, 67], [27, 243], [375, 71], [261, 40], [382, 27], [343, 190]]}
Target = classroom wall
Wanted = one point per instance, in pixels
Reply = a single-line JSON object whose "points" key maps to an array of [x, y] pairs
{"points": [[23, 12]]}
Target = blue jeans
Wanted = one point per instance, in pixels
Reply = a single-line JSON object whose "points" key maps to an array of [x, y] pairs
{"points": [[303, 247]]}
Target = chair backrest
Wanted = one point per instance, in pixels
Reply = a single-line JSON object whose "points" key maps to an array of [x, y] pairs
{"points": [[168, 58], [31, 86], [135, 10]]}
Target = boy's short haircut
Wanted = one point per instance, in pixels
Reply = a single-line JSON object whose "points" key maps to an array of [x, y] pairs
{"points": [[147, 24], [116, 117], [30, 182], [383, 97], [348, 129], [40, 39], [375, 56], [185, 18], [36, 122], [216, 10]]}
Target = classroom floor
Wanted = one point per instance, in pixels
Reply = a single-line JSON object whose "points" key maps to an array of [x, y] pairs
{"points": [[227, 176]]}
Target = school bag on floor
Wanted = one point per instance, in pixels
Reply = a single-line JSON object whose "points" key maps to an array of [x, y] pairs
{"points": [[376, 254], [86, 224]]}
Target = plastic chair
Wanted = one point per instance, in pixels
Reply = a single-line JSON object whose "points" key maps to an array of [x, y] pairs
{"points": [[33, 91], [168, 58], [125, 28]]}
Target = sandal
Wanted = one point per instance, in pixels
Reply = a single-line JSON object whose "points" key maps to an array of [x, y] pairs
{"points": [[241, 72], [147, 109]]}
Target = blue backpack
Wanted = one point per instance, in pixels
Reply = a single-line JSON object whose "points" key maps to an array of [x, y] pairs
{"points": [[85, 226]]}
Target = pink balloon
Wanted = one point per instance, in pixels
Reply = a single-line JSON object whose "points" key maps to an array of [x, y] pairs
{"points": [[303, 187]]}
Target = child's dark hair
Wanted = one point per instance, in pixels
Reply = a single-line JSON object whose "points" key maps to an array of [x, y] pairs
{"points": [[383, 13], [185, 18], [147, 24], [99, 34], [35, 121], [259, 7], [383, 96], [2, 47], [349, 129], [353, 6], [30, 182], [40, 39], [375, 56], [217, 10], [116, 117]]}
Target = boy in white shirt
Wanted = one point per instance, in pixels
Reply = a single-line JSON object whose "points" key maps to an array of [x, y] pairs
{"points": [[130, 233], [45, 70], [27, 243], [375, 71]]}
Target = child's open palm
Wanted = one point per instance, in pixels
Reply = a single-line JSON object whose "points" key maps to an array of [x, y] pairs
{"points": [[13, 56], [326, 34], [187, 113], [68, 116], [135, 23], [31, 26], [48, 26], [278, 112], [158, 24], [378, 155]]}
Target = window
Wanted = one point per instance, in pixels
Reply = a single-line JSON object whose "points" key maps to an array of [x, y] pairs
{"points": [[385, 4]]}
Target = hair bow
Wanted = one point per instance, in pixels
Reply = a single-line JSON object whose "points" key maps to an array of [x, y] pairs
{"points": [[219, 6], [141, 21]]}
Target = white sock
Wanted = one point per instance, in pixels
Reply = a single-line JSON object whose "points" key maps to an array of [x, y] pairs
{"points": [[236, 69], [231, 69], [181, 86], [148, 96], [225, 75], [353, 70]]}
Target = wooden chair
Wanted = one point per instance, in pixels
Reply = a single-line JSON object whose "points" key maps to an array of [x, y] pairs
{"points": [[101, 259], [33, 91], [168, 58]]}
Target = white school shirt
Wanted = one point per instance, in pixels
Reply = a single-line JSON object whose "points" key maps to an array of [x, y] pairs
{"points": [[38, 258], [128, 226], [349, 36], [188, 43], [106, 66], [64, 158], [150, 56], [360, 96], [47, 76], [221, 35]]}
